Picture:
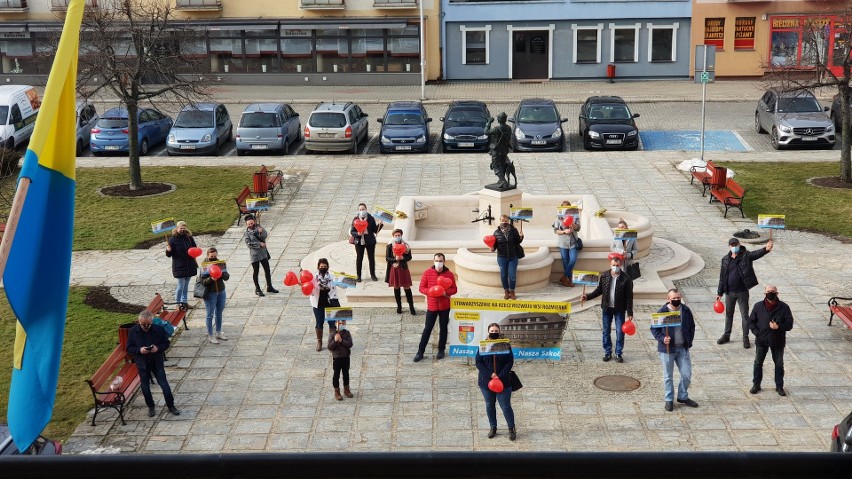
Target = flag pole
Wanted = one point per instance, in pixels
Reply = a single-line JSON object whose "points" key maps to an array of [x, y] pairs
{"points": [[12, 224]]}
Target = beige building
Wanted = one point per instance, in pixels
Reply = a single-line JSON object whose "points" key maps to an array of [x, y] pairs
{"points": [[264, 41]]}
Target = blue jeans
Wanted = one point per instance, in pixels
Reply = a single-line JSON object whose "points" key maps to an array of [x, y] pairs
{"points": [[569, 259], [505, 399], [679, 356], [145, 382], [319, 318], [182, 289], [215, 303], [508, 272], [607, 317]]}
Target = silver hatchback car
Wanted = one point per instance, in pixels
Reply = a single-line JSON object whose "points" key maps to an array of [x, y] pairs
{"points": [[336, 127], [794, 118]]}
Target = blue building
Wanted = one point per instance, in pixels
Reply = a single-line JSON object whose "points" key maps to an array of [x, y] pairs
{"points": [[571, 39]]}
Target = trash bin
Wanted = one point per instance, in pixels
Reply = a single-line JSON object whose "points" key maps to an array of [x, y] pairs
{"points": [[261, 183], [610, 72], [123, 331]]}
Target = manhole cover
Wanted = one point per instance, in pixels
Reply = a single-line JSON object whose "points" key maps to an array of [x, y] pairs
{"points": [[747, 234], [617, 383]]}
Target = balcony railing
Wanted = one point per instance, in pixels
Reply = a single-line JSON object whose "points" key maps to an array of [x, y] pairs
{"points": [[322, 4], [395, 3], [63, 4], [198, 5], [13, 6]]}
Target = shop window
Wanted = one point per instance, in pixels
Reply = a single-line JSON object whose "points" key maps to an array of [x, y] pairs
{"points": [[785, 48], [744, 33], [475, 45], [714, 32], [404, 49], [18, 56], [624, 43], [587, 43], [297, 51], [368, 50], [814, 46], [261, 51], [662, 42], [226, 52], [332, 51]]}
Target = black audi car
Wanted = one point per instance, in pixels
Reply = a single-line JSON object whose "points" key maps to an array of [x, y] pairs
{"points": [[607, 123], [466, 125], [537, 126]]}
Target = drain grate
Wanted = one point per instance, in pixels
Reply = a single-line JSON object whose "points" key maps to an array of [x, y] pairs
{"points": [[617, 383]]}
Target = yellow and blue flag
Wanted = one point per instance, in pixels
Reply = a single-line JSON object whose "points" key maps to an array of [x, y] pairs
{"points": [[39, 265]]}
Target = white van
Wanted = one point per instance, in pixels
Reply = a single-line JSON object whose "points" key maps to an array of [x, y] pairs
{"points": [[19, 105]]}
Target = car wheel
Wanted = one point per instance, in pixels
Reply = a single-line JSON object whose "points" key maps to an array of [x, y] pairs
{"points": [[216, 149], [143, 147], [286, 150], [354, 149], [586, 145], [757, 127], [774, 139], [96, 153], [79, 150], [10, 144], [241, 153]]}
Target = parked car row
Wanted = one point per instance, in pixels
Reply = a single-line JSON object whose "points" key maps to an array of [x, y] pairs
{"points": [[794, 118]]}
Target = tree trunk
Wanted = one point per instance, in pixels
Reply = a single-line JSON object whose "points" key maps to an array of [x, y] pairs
{"points": [[133, 147], [846, 132]]}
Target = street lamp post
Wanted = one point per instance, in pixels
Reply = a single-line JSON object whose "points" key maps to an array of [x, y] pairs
{"points": [[422, 55]]}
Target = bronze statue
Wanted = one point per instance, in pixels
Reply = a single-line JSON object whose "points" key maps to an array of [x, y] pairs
{"points": [[499, 143]]}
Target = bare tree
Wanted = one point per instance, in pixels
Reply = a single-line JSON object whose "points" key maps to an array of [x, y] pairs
{"points": [[136, 50], [825, 63]]}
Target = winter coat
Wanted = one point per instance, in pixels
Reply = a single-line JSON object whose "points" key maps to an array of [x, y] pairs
{"points": [[183, 265], [627, 249], [745, 268], [369, 236], [485, 365], [391, 258], [687, 329], [253, 239], [758, 323], [623, 292], [429, 279], [137, 339], [343, 349], [566, 241], [315, 294], [214, 286], [507, 244]]}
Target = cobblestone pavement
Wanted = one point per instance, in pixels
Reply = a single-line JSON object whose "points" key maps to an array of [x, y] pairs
{"points": [[266, 389]]}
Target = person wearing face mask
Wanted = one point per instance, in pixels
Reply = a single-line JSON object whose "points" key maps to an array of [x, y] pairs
{"points": [[397, 275], [770, 320], [616, 291], [255, 237], [736, 277], [214, 299], [566, 239], [324, 295], [146, 343], [184, 266], [508, 240], [365, 242], [673, 346], [627, 248], [437, 309], [340, 346], [496, 366]]}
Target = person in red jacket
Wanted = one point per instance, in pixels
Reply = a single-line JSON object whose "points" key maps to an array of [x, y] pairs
{"points": [[436, 308]]}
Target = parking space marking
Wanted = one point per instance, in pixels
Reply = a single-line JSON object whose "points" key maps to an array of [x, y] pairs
{"points": [[745, 143], [436, 144], [370, 143], [231, 150], [690, 140]]}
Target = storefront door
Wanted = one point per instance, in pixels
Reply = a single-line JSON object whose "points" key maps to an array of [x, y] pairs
{"points": [[530, 54]]}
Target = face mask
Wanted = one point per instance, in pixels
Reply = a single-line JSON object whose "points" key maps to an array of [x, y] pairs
{"points": [[342, 328], [615, 269], [675, 302], [145, 327], [735, 249], [439, 264], [772, 296], [504, 225], [397, 239], [362, 214], [323, 270], [493, 335]]}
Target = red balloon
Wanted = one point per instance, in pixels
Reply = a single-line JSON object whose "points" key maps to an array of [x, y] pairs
{"points": [[615, 255], [718, 307], [398, 249], [444, 282], [569, 220], [436, 291], [290, 279], [215, 271], [360, 225], [195, 252], [306, 276], [628, 328], [496, 385], [307, 288], [490, 240]]}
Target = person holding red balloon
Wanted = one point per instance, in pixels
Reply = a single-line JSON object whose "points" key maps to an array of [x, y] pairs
{"points": [[363, 232], [437, 284], [736, 278], [566, 238], [214, 299], [627, 248], [494, 373], [673, 346], [184, 266], [398, 276], [508, 241], [322, 295], [255, 237], [616, 291]]}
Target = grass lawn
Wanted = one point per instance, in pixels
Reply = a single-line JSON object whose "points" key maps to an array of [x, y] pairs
{"points": [[90, 335], [781, 188]]}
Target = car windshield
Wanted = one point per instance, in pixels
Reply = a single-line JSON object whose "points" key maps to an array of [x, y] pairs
{"points": [[801, 104], [327, 120], [194, 119], [259, 120], [4, 114], [112, 123], [466, 117], [403, 118], [537, 114], [609, 112]]}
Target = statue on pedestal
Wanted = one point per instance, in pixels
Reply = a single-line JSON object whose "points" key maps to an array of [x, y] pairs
{"points": [[499, 143]]}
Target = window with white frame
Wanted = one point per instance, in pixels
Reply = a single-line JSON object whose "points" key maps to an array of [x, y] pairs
{"points": [[624, 42], [475, 42], [587, 43], [662, 42]]}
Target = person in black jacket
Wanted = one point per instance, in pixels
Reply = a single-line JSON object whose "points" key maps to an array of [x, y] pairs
{"points": [[184, 266], [340, 346], [214, 299], [673, 344], [496, 366], [397, 275], [365, 242], [616, 291], [147, 343], [736, 277], [508, 242], [770, 320]]}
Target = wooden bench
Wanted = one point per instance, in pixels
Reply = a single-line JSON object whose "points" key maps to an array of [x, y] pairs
{"points": [[731, 196], [274, 178], [241, 203], [105, 397], [842, 311], [173, 316], [709, 176]]}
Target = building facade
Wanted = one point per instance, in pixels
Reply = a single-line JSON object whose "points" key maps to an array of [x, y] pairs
{"points": [[263, 41], [565, 39]]}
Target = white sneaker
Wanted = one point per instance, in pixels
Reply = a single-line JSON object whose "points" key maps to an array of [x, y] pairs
{"points": [[221, 336], [213, 339]]}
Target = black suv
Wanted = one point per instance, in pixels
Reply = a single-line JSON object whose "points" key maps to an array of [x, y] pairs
{"points": [[606, 123], [466, 126], [537, 126]]}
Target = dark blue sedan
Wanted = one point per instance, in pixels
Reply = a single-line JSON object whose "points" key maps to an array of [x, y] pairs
{"points": [[110, 134]]}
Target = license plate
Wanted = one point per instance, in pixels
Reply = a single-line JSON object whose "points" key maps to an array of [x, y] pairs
{"points": [[258, 147], [539, 142], [465, 145], [809, 138], [403, 147], [187, 147], [326, 135], [613, 142], [111, 147]]}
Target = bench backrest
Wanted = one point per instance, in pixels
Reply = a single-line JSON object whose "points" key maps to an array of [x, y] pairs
{"points": [[736, 189], [241, 198], [156, 305]]}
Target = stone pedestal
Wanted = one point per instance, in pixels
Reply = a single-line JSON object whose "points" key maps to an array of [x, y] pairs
{"points": [[499, 201]]}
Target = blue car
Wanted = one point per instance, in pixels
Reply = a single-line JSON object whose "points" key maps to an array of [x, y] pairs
{"points": [[110, 134], [200, 129], [405, 128]]}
